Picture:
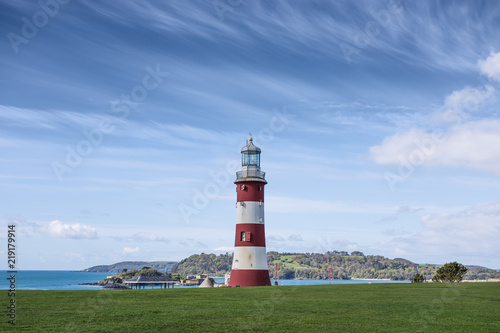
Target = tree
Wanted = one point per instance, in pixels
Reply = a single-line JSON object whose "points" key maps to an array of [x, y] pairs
{"points": [[450, 272], [419, 278], [151, 272]]}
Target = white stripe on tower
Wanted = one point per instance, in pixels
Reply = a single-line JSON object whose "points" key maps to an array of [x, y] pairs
{"points": [[250, 212]]}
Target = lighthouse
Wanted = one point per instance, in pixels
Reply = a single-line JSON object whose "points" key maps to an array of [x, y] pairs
{"points": [[250, 259]]}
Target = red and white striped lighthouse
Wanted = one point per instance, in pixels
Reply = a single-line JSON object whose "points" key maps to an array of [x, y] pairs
{"points": [[250, 259]]}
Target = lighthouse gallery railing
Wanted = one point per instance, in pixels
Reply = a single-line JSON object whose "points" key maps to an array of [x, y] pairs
{"points": [[250, 173]]}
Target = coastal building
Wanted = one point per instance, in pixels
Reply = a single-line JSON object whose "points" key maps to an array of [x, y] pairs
{"points": [[250, 259], [142, 281], [209, 283]]}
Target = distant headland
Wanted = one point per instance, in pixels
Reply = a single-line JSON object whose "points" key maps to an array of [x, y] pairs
{"points": [[162, 266]]}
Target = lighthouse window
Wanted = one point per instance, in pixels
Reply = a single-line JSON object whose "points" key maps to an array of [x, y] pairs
{"points": [[260, 187], [246, 236], [260, 219], [250, 159], [242, 187]]}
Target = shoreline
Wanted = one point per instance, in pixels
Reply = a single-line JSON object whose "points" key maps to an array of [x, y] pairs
{"points": [[488, 280], [341, 279], [377, 280]]}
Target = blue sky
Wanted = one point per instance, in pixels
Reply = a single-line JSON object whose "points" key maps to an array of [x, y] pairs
{"points": [[121, 126]]}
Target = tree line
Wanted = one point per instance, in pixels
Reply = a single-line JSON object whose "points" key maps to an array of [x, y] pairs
{"points": [[343, 266]]}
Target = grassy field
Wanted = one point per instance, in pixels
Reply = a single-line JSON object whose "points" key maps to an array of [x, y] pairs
{"points": [[288, 261], [464, 307]]}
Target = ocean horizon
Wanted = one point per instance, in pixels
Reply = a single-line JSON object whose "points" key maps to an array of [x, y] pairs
{"points": [[73, 280]]}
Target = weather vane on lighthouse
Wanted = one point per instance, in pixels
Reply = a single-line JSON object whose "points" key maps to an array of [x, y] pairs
{"points": [[250, 258]]}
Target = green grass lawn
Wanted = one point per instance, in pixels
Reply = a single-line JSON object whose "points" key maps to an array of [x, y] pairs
{"points": [[433, 307]]}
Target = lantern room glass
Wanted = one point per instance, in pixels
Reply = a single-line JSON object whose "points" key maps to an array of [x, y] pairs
{"points": [[250, 159]]}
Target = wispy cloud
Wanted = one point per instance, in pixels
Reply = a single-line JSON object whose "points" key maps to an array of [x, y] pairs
{"points": [[225, 79], [295, 238], [50, 120], [173, 134], [303, 205], [224, 249], [402, 210], [143, 237]]}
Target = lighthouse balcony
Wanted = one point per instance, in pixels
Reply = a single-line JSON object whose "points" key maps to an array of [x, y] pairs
{"points": [[245, 174]]}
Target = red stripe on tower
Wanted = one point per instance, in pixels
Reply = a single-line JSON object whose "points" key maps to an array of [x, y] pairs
{"points": [[250, 259]]}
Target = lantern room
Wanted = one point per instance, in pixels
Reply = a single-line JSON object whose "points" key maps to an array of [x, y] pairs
{"points": [[250, 155]]}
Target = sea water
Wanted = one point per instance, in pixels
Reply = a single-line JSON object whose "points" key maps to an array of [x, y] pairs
{"points": [[72, 280], [53, 280]]}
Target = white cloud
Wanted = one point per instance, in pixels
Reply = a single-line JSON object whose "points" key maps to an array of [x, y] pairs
{"points": [[460, 103], [129, 250], [474, 230], [474, 145], [77, 231], [468, 235], [491, 66], [399, 145]]}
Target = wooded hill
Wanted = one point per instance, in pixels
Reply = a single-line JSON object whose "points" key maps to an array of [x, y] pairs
{"points": [[127, 275], [344, 266], [210, 264], [162, 266]]}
